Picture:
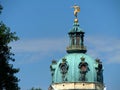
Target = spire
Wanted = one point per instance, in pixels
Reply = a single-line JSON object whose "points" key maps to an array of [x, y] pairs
{"points": [[76, 35]]}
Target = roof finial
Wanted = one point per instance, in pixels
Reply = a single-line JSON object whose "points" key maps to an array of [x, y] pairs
{"points": [[76, 10]]}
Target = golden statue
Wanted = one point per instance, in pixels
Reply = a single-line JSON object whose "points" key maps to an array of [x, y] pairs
{"points": [[76, 10]]}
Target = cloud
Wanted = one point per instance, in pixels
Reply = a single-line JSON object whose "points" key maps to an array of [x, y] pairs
{"points": [[107, 49], [39, 45], [33, 50]]}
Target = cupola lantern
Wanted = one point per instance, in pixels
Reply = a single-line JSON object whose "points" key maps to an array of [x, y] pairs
{"points": [[76, 36]]}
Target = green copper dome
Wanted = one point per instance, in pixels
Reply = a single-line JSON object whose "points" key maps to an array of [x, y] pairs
{"points": [[75, 67]]}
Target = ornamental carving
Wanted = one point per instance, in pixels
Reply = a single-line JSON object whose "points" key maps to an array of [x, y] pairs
{"points": [[64, 68], [52, 68], [83, 66], [99, 70]]}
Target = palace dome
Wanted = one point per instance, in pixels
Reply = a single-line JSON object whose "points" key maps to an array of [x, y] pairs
{"points": [[69, 69], [76, 70]]}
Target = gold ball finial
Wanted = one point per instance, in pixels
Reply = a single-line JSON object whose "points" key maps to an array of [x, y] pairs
{"points": [[76, 20]]}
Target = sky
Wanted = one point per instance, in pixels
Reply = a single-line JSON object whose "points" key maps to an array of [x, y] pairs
{"points": [[43, 26]]}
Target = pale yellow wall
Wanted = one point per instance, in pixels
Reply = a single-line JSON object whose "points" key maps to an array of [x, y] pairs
{"points": [[67, 86]]}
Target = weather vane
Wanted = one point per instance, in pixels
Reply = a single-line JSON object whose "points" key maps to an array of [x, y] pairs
{"points": [[76, 10]]}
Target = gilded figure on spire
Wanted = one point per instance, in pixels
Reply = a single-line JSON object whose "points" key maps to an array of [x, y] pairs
{"points": [[76, 10]]}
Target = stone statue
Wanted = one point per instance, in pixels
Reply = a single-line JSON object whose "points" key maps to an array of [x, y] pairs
{"points": [[99, 70]]}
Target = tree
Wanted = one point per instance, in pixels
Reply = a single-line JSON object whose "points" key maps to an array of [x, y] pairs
{"points": [[0, 8], [35, 88], [8, 80]]}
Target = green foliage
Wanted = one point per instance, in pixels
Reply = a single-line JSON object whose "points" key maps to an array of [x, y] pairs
{"points": [[8, 80], [1, 8], [35, 88]]}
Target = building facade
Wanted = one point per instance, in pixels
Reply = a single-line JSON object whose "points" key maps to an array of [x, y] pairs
{"points": [[76, 70]]}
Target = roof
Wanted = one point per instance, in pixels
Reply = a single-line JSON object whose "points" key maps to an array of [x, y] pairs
{"points": [[76, 28], [72, 72]]}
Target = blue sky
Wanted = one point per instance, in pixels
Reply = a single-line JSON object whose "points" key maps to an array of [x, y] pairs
{"points": [[42, 26]]}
